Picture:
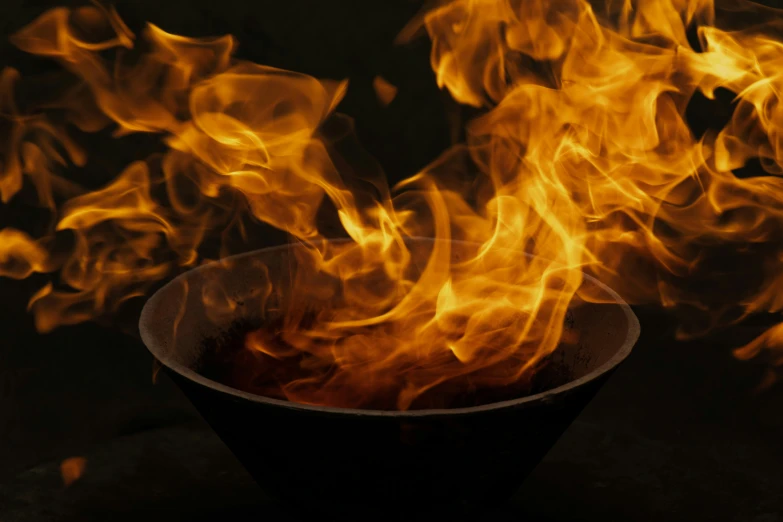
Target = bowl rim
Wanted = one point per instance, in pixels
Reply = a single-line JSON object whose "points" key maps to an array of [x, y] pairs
{"points": [[632, 335]]}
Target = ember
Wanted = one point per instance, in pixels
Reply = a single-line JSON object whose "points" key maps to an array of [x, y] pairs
{"points": [[72, 469]]}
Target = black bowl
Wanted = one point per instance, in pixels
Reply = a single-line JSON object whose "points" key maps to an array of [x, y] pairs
{"points": [[334, 460]]}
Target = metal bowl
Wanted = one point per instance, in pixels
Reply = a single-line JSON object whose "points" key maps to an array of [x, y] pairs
{"points": [[337, 461]]}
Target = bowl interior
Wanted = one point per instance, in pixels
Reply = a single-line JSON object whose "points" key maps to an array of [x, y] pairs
{"points": [[206, 302]]}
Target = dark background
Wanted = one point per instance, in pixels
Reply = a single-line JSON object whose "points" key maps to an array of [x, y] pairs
{"points": [[679, 432]]}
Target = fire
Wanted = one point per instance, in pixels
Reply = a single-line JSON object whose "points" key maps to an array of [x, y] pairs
{"points": [[384, 91], [591, 100], [581, 161]]}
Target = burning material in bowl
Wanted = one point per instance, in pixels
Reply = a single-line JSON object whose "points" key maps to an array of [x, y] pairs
{"points": [[433, 332], [475, 451], [257, 359]]}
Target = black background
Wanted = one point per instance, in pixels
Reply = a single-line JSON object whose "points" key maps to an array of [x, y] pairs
{"points": [[679, 433]]}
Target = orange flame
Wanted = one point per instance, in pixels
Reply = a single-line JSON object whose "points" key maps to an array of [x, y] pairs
{"points": [[583, 160], [384, 91], [599, 116]]}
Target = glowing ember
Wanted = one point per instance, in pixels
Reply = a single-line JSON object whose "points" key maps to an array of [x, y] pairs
{"points": [[72, 469], [582, 158]]}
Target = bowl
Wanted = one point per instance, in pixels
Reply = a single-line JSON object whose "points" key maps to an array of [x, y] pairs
{"points": [[339, 461]]}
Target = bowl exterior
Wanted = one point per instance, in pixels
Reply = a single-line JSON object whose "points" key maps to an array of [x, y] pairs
{"points": [[337, 463]]}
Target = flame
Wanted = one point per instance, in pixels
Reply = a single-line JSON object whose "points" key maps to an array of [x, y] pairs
{"points": [[384, 91], [591, 101], [582, 160], [72, 469]]}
